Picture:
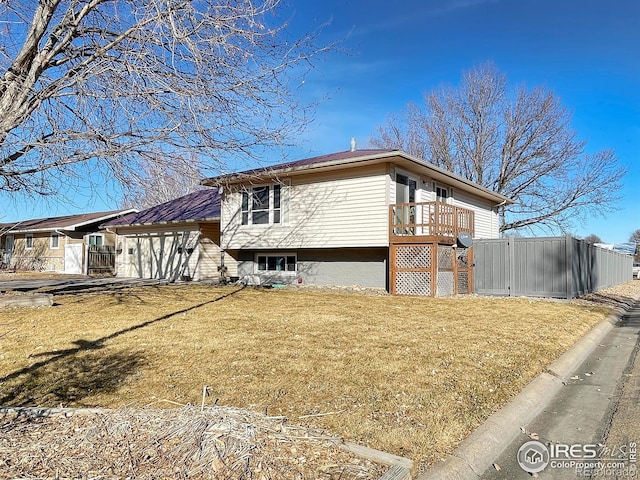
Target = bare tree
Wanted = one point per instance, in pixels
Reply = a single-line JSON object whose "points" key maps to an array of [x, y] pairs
{"points": [[516, 142], [593, 238], [159, 181], [635, 238], [99, 87]]}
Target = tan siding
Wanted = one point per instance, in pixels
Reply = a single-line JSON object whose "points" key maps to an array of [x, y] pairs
{"points": [[75, 238], [41, 256], [109, 238], [337, 209], [210, 253]]}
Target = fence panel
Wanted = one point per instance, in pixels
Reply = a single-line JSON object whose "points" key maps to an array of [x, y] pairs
{"points": [[492, 266], [102, 259], [559, 267]]}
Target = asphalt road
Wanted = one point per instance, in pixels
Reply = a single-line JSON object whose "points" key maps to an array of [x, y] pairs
{"points": [[594, 418]]}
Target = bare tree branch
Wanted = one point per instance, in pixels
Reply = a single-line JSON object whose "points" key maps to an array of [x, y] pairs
{"points": [[111, 83], [519, 144]]}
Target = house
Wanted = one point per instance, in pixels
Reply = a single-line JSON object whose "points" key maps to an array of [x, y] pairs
{"points": [[176, 240], [67, 244], [373, 218]]}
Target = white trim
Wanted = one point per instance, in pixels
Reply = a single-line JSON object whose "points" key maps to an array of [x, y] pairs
{"points": [[366, 158], [71, 227], [283, 209], [439, 186], [410, 176], [98, 219]]}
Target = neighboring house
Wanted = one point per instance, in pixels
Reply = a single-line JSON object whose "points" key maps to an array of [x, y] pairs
{"points": [[68, 244], [176, 240], [373, 218]]}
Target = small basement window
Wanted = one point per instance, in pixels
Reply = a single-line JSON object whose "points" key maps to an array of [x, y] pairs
{"points": [[286, 263]]}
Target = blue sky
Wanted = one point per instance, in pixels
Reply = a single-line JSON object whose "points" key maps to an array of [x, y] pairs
{"points": [[392, 52]]}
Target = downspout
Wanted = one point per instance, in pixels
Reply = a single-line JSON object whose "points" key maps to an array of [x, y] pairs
{"points": [[497, 207]]}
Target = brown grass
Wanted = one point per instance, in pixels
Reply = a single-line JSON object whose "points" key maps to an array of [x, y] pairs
{"points": [[411, 376]]}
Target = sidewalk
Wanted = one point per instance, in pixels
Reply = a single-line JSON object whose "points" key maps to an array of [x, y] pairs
{"points": [[589, 396], [599, 406]]}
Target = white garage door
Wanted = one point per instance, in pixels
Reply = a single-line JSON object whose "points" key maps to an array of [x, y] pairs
{"points": [[167, 255]]}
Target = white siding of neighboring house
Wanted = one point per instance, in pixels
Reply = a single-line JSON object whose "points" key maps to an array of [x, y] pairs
{"points": [[330, 210]]}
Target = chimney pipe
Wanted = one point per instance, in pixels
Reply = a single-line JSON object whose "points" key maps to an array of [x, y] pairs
{"points": [[353, 144]]}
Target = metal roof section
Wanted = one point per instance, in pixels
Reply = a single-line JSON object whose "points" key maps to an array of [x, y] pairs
{"points": [[201, 205]]}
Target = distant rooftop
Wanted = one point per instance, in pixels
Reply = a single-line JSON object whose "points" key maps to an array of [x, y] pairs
{"points": [[67, 222]]}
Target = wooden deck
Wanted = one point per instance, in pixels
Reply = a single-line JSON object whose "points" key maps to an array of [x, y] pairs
{"points": [[428, 222], [423, 258]]}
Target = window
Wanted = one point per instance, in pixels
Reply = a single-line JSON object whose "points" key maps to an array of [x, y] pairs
{"points": [[405, 189], [442, 193], [54, 241], [96, 240], [276, 263], [262, 205], [28, 241]]}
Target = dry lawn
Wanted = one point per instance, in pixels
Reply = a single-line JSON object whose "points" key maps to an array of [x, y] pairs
{"points": [[411, 376]]}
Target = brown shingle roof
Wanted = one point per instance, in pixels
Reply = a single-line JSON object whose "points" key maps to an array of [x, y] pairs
{"points": [[67, 222]]}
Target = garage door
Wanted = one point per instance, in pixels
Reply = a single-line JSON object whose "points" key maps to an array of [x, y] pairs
{"points": [[166, 255]]}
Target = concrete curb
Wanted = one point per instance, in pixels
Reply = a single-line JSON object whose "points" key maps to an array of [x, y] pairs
{"points": [[477, 452], [35, 300]]}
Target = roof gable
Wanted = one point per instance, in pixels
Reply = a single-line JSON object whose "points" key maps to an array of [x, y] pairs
{"points": [[354, 158]]}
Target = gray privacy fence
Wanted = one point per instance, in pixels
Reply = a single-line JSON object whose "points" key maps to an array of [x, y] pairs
{"points": [[559, 267]]}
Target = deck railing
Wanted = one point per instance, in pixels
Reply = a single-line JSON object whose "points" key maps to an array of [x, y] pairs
{"points": [[434, 219]]}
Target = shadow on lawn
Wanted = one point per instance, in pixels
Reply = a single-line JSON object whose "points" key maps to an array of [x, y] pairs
{"points": [[69, 375], [67, 380]]}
